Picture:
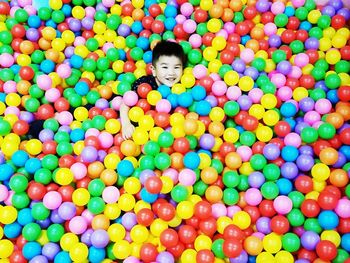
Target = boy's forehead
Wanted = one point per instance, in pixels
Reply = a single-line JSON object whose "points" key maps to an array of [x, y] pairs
{"points": [[165, 59]]}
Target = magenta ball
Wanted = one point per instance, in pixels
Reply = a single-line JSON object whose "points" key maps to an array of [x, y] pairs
{"points": [[253, 196], [282, 204], [130, 98]]}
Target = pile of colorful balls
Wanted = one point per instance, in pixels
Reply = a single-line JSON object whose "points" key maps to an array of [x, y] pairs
{"points": [[247, 159]]}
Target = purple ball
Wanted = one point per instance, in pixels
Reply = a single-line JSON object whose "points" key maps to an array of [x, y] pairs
{"points": [[86, 237], [26, 116], [302, 261], [65, 128], [145, 174], [289, 170], [165, 257], [300, 126], [245, 102], [242, 258], [50, 250], [87, 23], [207, 141], [238, 65], [345, 13], [101, 7], [328, 10], [74, 25], [284, 67], [129, 220], [100, 238], [256, 179], [44, 223], [101, 155], [337, 4], [39, 259], [306, 149], [309, 240], [69, 52], [89, 154], [263, 225], [67, 210], [341, 161], [2, 158], [124, 30], [271, 151], [321, 85], [55, 217], [46, 135], [212, 100], [32, 34], [312, 43], [306, 104], [275, 41], [252, 72], [263, 6], [305, 162], [102, 104]]}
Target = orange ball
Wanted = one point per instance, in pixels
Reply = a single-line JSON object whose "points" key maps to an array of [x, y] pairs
{"points": [[336, 119], [236, 6], [95, 169], [109, 177], [209, 175], [138, 14], [216, 128], [190, 126], [339, 178], [216, 11], [128, 148], [100, 222], [44, 44], [223, 3], [242, 202], [257, 33], [233, 160], [106, 92], [26, 47], [227, 15], [253, 44], [253, 245], [343, 108], [23, 87], [213, 194], [52, 55], [329, 156], [177, 160]]}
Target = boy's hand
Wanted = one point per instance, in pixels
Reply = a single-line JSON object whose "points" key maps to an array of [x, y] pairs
{"points": [[127, 130]]}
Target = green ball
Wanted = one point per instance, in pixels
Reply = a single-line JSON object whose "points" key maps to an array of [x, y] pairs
{"points": [[278, 56], [31, 231], [259, 64], [112, 54], [165, 139], [290, 242], [121, 180], [99, 122], [44, 13], [92, 44], [271, 172], [296, 217], [61, 136], [281, 20], [342, 66], [332, 81], [179, 193], [269, 190], [50, 162], [238, 17], [64, 148], [247, 138], [96, 187], [297, 46], [243, 183], [217, 165], [51, 124], [167, 35], [310, 5], [6, 37], [136, 53], [55, 232], [36, 92], [347, 191], [123, 87], [21, 15], [224, 69], [58, 16], [258, 162], [147, 162], [297, 198], [326, 131], [113, 22], [322, 64], [20, 200], [317, 94], [231, 108], [10, 23], [324, 22], [5, 127], [130, 41], [316, 32], [40, 212], [96, 205], [6, 49], [37, 56], [100, 16], [194, 56], [202, 29], [75, 100], [309, 135], [89, 2], [151, 148], [43, 176], [89, 65], [18, 183], [269, 88], [318, 73], [32, 104], [162, 161], [6, 74], [199, 188], [342, 256], [311, 224], [193, 141], [186, 46], [102, 64], [262, 80], [231, 179], [92, 97], [217, 248], [231, 196]]}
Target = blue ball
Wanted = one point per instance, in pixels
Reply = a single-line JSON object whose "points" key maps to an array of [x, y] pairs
{"points": [[288, 109], [142, 42], [284, 186], [32, 165], [289, 153], [77, 135], [6, 171], [328, 220], [203, 108], [164, 90], [345, 149], [51, 23], [96, 255], [31, 249], [148, 197], [289, 11], [15, 69], [345, 242], [172, 98], [136, 27], [67, 10], [82, 88], [19, 158], [147, 57], [332, 96], [185, 99], [47, 66], [34, 21], [198, 93], [76, 61], [169, 23], [170, 11], [305, 25], [191, 160], [12, 230], [24, 216], [62, 257], [125, 168]]}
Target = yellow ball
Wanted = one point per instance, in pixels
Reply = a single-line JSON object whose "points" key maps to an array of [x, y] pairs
{"points": [[81, 114], [210, 53], [246, 83], [168, 184], [264, 257], [81, 196], [132, 185], [137, 3], [121, 249], [34, 147], [11, 118], [219, 43], [135, 113], [205, 161], [214, 66], [58, 44], [55, 4], [112, 211], [339, 41], [214, 25], [126, 202], [158, 226], [116, 232], [241, 219], [264, 133], [178, 88], [8, 215], [146, 122], [313, 16], [284, 257], [300, 93], [269, 101], [231, 78], [118, 67], [257, 110], [140, 136], [6, 248], [222, 223], [23, 60], [48, 33], [271, 117], [79, 252], [139, 234], [333, 56], [320, 172], [272, 243], [68, 240], [206, 4], [81, 51], [153, 97], [189, 256], [78, 147], [188, 80], [185, 209], [99, 27], [64, 176], [202, 242], [176, 119], [68, 36], [155, 132], [13, 99], [325, 44], [112, 126], [332, 236], [217, 114], [231, 135]]}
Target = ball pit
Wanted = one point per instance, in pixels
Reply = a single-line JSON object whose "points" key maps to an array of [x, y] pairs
{"points": [[246, 159]]}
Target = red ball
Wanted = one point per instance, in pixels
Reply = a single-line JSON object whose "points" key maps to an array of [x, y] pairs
{"points": [[313, 56], [250, 12], [109, 114], [181, 145], [267, 17], [127, 9], [169, 238], [177, 250], [310, 208], [266, 208], [92, 141], [20, 127], [232, 248], [49, 147], [4, 8], [143, 89], [240, 117], [307, 254], [307, 81], [200, 16], [282, 128], [208, 226], [155, 10], [179, 32], [144, 105], [66, 193], [129, 66], [326, 250], [345, 136], [187, 234], [279, 224], [166, 211], [36, 191], [45, 111], [202, 210], [338, 21], [207, 83], [26, 73], [293, 23], [226, 148], [162, 119], [205, 256], [327, 200], [344, 93], [61, 104], [147, 22], [288, 36], [344, 225], [148, 252], [207, 38], [18, 31], [17, 256], [320, 145], [345, 52], [302, 35], [258, 147], [304, 184], [66, 161], [227, 56], [145, 217], [233, 231], [153, 185], [157, 27], [253, 212], [242, 28]]}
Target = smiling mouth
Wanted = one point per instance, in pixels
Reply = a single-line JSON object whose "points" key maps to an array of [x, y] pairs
{"points": [[170, 79]]}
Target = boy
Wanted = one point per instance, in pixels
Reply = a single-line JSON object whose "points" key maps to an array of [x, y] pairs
{"points": [[168, 60]]}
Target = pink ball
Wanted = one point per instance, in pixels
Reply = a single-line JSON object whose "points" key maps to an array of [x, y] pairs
{"points": [[245, 152], [52, 200], [278, 79], [317, 124], [343, 208], [270, 29], [323, 106], [233, 93], [255, 95], [247, 55], [88, 216], [64, 117], [233, 209], [52, 95], [64, 71], [285, 93], [8, 200], [4, 193], [44, 82], [110, 194], [31, 10], [301, 60], [230, 27], [295, 72], [163, 106], [23, 3], [108, 3], [186, 9], [106, 139], [6, 60], [311, 117], [187, 177], [258, 235], [219, 88], [223, 33], [189, 26], [215, 76], [13, 110], [253, 196], [79, 41], [172, 173], [180, 19], [292, 139], [78, 225], [199, 71], [10, 87], [282, 204], [298, 3], [116, 102], [277, 8], [92, 132], [130, 98], [218, 210], [79, 170], [195, 40], [90, 11]]}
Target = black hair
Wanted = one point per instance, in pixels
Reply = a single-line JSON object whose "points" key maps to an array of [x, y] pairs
{"points": [[168, 48]]}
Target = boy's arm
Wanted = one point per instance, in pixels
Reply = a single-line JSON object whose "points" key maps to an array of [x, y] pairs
{"points": [[127, 127]]}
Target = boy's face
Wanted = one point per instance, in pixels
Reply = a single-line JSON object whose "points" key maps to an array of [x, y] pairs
{"points": [[167, 70]]}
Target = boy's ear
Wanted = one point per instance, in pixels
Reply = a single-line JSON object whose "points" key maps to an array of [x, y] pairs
{"points": [[153, 69]]}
